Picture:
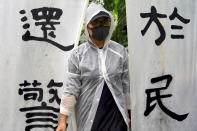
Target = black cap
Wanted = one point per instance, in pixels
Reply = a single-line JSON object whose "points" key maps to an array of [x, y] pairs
{"points": [[100, 14]]}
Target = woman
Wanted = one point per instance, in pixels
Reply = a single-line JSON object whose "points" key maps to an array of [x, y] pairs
{"points": [[98, 78]]}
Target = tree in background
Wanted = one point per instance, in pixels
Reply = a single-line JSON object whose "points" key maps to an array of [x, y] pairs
{"points": [[118, 9], [97, 1]]}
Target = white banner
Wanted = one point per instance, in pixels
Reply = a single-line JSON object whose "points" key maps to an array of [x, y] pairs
{"points": [[36, 38], [163, 63]]}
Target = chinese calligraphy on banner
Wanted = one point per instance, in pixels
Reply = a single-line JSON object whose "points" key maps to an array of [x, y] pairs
{"points": [[36, 40], [162, 45]]}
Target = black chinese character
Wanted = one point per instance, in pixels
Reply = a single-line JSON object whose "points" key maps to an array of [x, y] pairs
{"points": [[43, 116], [153, 15], [46, 18], [26, 83], [31, 93], [177, 27], [158, 98], [54, 91], [40, 116]]}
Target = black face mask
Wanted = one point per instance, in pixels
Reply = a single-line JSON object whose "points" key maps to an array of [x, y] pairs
{"points": [[100, 33]]}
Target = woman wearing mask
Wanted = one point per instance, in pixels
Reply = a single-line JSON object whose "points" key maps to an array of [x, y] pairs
{"points": [[97, 78]]}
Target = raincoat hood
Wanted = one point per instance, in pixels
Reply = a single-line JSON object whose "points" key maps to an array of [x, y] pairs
{"points": [[92, 11]]}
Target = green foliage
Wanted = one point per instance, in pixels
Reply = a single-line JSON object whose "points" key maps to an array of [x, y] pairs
{"points": [[118, 8], [97, 1]]}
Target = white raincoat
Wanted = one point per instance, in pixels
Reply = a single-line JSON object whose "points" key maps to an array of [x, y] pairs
{"points": [[89, 67]]}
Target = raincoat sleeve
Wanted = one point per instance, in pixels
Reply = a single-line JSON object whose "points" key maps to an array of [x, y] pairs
{"points": [[73, 79], [73, 84], [67, 104], [125, 80], [125, 75]]}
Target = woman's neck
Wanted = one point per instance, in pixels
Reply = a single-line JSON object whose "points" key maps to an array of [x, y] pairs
{"points": [[99, 44]]}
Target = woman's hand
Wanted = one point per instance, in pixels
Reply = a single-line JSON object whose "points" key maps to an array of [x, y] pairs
{"points": [[62, 123], [129, 121], [128, 118], [61, 127]]}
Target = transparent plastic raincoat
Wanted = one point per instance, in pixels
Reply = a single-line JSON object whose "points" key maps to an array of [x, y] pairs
{"points": [[90, 67]]}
